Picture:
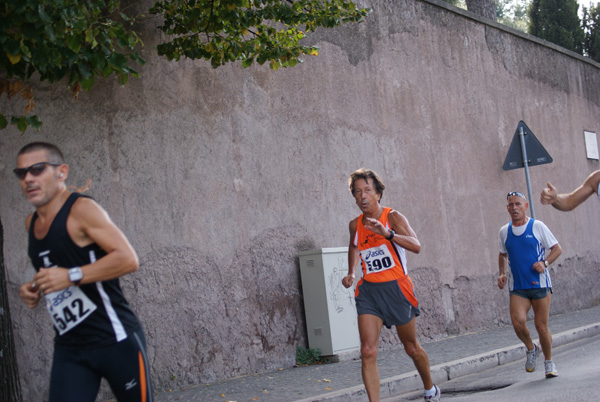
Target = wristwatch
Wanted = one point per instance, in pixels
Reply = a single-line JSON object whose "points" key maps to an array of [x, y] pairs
{"points": [[546, 263], [75, 275], [392, 234]]}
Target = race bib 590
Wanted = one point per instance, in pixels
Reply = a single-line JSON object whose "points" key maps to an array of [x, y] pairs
{"points": [[377, 259]]}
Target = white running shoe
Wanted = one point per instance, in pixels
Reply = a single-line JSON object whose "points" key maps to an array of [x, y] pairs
{"points": [[532, 355], [550, 369], [436, 397]]}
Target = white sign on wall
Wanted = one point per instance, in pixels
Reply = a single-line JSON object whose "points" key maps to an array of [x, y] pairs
{"points": [[591, 145]]}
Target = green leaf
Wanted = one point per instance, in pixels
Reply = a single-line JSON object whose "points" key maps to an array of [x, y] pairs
{"points": [[34, 122], [74, 43], [89, 35], [20, 122], [247, 62], [83, 70], [117, 61], [3, 121], [73, 78], [86, 83], [135, 57], [98, 61]]}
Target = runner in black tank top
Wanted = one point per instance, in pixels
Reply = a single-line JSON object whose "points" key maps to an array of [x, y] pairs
{"points": [[112, 318], [79, 254]]}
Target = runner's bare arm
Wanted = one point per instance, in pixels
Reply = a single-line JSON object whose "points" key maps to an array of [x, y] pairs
{"points": [[502, 263], [89, 223], [30, 294], [405, 235], [555, 252], [353, 257], [569, 201], [29, 291]]}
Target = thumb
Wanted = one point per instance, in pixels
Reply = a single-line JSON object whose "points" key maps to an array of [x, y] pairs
{"points": [[550, 186]]}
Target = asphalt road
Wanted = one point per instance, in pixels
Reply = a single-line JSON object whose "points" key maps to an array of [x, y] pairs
{"points": [[578, 366]]}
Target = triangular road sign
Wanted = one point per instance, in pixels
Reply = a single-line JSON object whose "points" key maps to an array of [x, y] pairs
{"points": [[536, 153]]}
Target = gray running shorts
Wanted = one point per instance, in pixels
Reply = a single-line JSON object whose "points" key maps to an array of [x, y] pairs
{"points": [[386, 301]]}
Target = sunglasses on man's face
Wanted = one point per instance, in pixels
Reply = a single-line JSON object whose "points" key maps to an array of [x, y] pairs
{"points": [[35, 170], [515, 194]]}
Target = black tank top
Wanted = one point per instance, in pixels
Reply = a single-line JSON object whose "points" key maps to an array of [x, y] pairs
{"points": [[113, 319]]}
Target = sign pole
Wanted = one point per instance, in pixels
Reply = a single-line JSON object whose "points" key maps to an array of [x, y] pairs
{"points": [[526, 166]]}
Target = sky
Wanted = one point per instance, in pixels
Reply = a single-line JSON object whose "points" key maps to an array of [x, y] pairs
{"points": [[586, 3]]}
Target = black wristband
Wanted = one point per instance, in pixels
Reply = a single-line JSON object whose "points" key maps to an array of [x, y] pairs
{"points": [[392, 234]]}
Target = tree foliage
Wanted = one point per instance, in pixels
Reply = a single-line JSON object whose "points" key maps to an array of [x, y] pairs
{"points": [[591, 27], [78, 39], [82, 40], [557, 21], [248, 30], [513, 13]]}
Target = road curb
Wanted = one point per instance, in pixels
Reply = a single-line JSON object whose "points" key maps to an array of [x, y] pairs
{"points": [[441, 373]]}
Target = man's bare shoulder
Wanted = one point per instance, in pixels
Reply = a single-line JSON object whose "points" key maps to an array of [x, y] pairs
{"points": [[84, 203], [397, 216], [593, 180], [86, 209]]}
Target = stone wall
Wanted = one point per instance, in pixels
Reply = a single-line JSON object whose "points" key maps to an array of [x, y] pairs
{"points": [[220, 177]]}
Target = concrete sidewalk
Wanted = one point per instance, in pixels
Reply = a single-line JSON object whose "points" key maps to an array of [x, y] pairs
{"points": [[342, 382]]}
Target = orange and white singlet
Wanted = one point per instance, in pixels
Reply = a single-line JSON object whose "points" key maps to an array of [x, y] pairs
{"points": [[382, 260]]}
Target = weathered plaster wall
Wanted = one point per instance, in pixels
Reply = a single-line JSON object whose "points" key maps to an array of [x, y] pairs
{"points": [[220, 177]]}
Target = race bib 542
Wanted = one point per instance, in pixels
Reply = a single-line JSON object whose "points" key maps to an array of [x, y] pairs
{"points": [[68, 308]]}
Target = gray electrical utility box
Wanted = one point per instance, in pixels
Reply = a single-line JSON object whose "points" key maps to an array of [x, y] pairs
{"points": [[331, 319]]}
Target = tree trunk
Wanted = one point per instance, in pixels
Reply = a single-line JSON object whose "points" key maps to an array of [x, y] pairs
{"points": [[10, 387], [484, 8]]}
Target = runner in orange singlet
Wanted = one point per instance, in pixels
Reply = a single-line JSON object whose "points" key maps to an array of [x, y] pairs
{"points": [[384, 295]]}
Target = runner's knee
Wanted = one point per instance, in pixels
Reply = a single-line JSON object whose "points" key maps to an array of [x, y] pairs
{"points": [[368, 351], [412, 349]]}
